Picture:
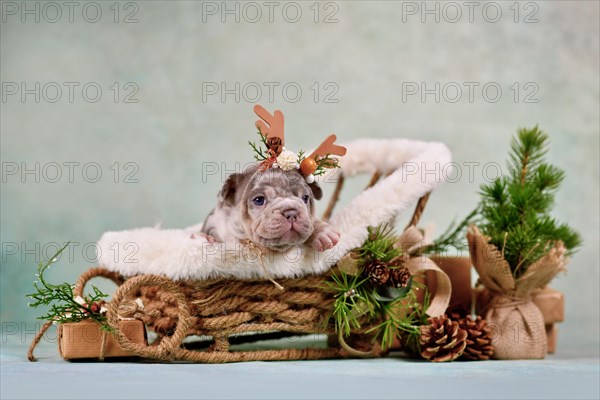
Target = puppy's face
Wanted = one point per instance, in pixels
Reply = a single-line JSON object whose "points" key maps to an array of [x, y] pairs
{"points": [[275, 206]]}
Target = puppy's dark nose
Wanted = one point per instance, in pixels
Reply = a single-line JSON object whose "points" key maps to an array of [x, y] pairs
{"points": [[290, 214]]}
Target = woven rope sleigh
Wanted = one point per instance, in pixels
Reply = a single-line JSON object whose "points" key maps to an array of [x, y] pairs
{"points": [[226, 311]]}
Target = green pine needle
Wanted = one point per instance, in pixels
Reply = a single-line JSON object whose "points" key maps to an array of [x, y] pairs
{"points": [[453, 237], [515, 209], [351, 302], [380, 245], [259, 153], [61, 301], [324, 163]]}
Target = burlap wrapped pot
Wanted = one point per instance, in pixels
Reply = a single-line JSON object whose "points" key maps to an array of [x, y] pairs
{"points": [[517, 323]]}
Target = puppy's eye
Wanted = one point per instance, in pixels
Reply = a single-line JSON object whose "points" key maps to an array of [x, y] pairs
{"points": [[258, 200], [306, 198]]}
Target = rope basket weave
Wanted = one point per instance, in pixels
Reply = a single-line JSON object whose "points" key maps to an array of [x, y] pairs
{"points": [[229, 312]]}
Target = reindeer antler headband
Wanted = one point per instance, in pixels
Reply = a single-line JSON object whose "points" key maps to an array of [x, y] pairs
{"points": [[270, 129]]}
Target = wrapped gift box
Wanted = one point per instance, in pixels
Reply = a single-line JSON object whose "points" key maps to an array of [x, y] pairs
{"points": [[458, 270], [552, 335], [80, 340], [551, 303]]}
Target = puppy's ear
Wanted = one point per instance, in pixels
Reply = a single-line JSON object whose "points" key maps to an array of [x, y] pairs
{"points": [[316, 190], [228, 191], [235, 185]]}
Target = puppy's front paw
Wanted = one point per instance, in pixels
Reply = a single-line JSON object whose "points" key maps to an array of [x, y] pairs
{"points": [[326, 238]]}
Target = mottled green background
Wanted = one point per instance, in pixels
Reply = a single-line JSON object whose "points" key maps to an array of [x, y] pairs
{"points": [[172, 134]]}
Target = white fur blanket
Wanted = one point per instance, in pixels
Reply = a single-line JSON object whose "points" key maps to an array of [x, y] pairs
{"points": [[420, 167]]}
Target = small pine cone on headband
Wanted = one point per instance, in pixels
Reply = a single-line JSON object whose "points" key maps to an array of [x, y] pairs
{"points": [[274, 144]]}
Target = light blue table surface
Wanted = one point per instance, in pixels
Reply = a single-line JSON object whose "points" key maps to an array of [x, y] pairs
{"points": [[570, 374]]}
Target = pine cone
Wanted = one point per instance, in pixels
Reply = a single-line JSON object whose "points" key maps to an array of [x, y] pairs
{"points": [[479, 340], [377, 272], [442, 340], [274, 144], [399, 277]]}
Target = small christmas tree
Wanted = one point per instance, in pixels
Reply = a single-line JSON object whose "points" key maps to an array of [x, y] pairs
{"points": [[514, 209]]}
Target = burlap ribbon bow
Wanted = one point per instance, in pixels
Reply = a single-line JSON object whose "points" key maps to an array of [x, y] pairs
{"points": [[412, 242], [517, 323]]}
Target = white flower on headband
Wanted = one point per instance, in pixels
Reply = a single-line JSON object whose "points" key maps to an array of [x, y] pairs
{"points": [[287, 160]]}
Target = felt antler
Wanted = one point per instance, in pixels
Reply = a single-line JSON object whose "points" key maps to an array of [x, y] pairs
{"points": [[328, 147], [274, 122]]}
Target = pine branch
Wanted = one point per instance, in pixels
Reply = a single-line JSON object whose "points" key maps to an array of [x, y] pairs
{"points": [[349, 294], [380, 245], [301, 156], [528, 148], [259, 153], [515, 210], [453, 237], [64, 306], [324, 163]]}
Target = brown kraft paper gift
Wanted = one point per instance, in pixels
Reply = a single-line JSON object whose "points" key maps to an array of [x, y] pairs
{"points": [[458, 270], [551, 303], [85, 339], [518, 329]]}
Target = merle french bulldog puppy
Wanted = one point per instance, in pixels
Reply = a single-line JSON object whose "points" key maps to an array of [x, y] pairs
{"points": [[272, 208]]}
